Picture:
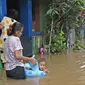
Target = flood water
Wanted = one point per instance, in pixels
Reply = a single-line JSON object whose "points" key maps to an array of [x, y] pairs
{"points": [[64, 70]]}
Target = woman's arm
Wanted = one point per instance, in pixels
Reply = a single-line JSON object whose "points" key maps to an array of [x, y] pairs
{"points": [[1, 26], [24, 58]]}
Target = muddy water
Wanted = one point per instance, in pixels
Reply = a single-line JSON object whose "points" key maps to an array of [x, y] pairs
{"points": [[64, 70]]}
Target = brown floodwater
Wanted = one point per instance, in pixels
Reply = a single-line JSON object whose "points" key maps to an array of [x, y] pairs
{"points": [[64, 70]]}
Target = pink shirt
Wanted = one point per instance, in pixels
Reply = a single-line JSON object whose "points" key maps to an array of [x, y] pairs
{"points": [[11, 44]]}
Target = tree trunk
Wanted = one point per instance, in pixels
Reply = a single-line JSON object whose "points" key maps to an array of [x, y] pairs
{"points": [[50, 36]]}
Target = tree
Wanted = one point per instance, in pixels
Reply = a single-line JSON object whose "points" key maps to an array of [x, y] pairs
{"points": [[63, 15]]}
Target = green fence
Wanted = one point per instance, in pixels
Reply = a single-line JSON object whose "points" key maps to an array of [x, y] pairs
{"points": [[37, 40]]}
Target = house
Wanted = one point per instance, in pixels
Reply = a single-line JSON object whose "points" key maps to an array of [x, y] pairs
{"points": [[31, 15]]}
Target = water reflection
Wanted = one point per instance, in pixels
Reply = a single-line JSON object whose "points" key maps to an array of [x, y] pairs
{"points": [[34, 79], [2, 77], [64, 70]]}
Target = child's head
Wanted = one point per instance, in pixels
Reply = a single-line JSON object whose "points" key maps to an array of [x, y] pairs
{"points": [[42, 64], [16, 29]]}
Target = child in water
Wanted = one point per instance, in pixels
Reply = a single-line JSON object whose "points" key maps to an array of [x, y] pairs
{"points": [[42, 51], [42, 66]]}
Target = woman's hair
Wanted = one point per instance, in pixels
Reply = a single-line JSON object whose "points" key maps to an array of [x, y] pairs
{"points": [[15, 27], [12, 13]]}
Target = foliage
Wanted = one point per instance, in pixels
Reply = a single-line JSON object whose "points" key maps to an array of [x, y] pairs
{"points": [[63, 15], [58, 43], [79, 45]]}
